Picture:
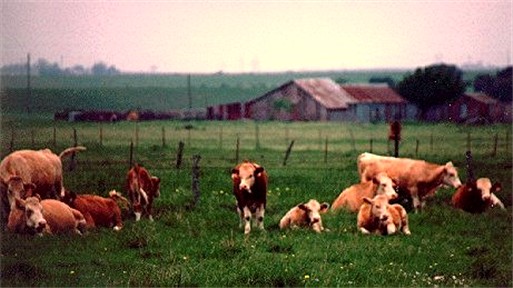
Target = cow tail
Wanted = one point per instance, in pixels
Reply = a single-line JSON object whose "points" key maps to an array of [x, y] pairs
{"points": [[70, 150]]}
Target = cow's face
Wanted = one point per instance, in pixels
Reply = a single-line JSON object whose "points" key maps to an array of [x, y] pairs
{"points": [[17, 189], [485, 187], [385, 185], [451, 176], [155, 181], [379, 207], [313, 210], [246, 174], [33, 214]]}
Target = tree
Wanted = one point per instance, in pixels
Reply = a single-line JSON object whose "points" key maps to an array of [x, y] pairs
{"points": [[434, 85], [498, 86], [100, 68]]}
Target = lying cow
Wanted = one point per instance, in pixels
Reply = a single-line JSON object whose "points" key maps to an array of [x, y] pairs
{"points": [[419, 178], [250, 190], [376, 215], [477, 196], [40, 167], [36, 216], [352, 198], [98, 211], [305, 215], [142, 190]]}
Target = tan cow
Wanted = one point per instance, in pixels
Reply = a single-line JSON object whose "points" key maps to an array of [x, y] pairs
{"points": [[377, 216], [250, 190], [305, 215], [36, 216], [477, 196], [419, 178], [142, 189], [352, 197]]}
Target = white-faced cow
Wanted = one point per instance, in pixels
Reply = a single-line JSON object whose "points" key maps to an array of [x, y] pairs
{"points": [[36, 216], [352, 197], [250, 190], [477, 196], [305, 215], [142, 189], [377, 216], [42, 168], [419, 178]]}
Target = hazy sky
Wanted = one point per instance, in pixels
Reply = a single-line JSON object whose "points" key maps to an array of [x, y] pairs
{"points": [[257, 36]]}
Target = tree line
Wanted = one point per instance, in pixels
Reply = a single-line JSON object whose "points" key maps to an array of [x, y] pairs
{"points": [[44, 67]]}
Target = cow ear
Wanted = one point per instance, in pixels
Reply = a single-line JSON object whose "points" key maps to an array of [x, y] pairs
{"points": [[367, 199], [19, 203], [303, 207], [155, 180], [375, 180], [259, 170], [235, 173], [324, 207], [496, 187]]}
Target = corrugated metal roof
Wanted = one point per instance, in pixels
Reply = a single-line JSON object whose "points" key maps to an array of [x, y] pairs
{"points": [[481, 97], [373, 93], [326, 92]]}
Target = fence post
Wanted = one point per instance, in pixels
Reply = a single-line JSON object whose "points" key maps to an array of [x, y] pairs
{"points": [[101, 134], [163, 137], [32, 137], [237, 146], [371, 140], [195, 180], [136, 133], [326, 150], [54, 142], [417, 142], [469, 146], [257, 137], [11, 144], [131, 159], [287, 153], [75, 144], [353, 144], [179, 155]]}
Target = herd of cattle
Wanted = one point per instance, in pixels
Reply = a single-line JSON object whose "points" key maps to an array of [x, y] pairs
{"points": [[35, 201]]}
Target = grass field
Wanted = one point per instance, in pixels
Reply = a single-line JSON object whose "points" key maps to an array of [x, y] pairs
{"points": [[203, 245]]}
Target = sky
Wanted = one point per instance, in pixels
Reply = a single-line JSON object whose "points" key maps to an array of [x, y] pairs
{"points": [[257, 36]]}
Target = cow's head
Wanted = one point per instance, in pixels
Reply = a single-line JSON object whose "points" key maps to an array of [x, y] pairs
{"points": [[385, 185], [17, 189], [313, 210], [32, 214], [155, 183], [246, 174], [69, 197], [486, 189], [379, 207], [450, 176]]}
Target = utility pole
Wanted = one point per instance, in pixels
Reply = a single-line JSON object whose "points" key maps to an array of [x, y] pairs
{"points": [[29, 90], [189, 91]]}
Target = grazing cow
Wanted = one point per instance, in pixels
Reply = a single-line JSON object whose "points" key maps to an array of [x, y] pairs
{"points": [[305, 215], [40, 167], [376, 215], [142, 189], [98, 211], [352, 198], [250, 190], [476, 196], [36, 216], [419, 178]]}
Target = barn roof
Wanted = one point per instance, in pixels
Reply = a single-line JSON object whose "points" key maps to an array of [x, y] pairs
{"points": [[373, 93], [481, 97], [326, 92]]}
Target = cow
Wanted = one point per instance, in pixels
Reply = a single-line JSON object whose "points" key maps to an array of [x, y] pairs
{"points": [[42, 168], [477, 196], [97, 210], [142, 189], [250, 189], [305, 215], [377, 216], [49, 216], [351, 198], [419, 178]]}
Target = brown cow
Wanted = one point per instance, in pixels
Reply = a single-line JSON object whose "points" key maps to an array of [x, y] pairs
{"points": [[40, 167], [98, 211], [420, 178], [376, 215], [142, 189], [305, 215], [352, 198], [250, 190], [36, 216], [477, 196]]}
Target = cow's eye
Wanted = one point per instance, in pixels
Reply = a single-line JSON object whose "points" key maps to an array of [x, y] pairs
{"points": [[378, 206], [29, 212]]}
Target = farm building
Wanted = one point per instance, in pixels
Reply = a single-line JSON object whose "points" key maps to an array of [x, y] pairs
{"points": [[320, 99]]}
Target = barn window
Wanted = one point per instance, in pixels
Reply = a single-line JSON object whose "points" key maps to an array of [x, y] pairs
{"points": [[463, 111]]}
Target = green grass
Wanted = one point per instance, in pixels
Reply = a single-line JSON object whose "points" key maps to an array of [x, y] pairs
{"points": [[203, 246]]}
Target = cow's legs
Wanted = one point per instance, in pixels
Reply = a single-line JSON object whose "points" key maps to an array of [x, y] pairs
{"points": [[417, 205], [260, 211], [391, 229], [247, 219], [364, 231]]}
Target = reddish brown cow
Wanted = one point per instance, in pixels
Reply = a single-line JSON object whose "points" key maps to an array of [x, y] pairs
{"points": [[376, 215], [42, 168], [36, 216], [420, 178], [250, 190], [305, 215], [142, 189], [98, 211], [477, 196]]}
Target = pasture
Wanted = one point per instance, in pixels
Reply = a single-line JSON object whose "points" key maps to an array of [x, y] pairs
{"points": [[202, 245]]}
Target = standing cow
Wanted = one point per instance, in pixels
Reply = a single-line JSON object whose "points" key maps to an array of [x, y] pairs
{"points": [[477, 195], [419, 178], [250, 190], [142, 189]]}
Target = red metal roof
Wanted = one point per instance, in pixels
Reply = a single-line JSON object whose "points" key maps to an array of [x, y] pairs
{"points": [[326, 92], [373, 93]]}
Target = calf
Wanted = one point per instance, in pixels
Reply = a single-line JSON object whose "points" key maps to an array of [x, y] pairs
{"points": [[36, 216], [352, 198], [142, 189], [98, 211], [305, 215], [477, 196], [376, 215], [250, 190], [419, 178]]}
